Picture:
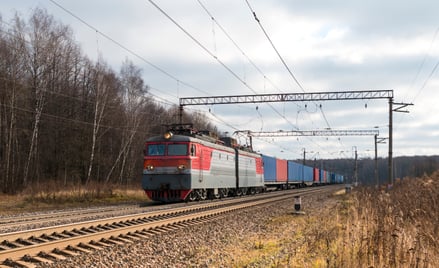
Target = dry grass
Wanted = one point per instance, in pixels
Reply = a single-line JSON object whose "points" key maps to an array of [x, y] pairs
{"points": [[51, 196], [395, 229], [367, 228]]}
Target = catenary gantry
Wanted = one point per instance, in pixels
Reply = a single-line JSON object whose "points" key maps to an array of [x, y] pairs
{"points": [[285, 97], [315, 96]]}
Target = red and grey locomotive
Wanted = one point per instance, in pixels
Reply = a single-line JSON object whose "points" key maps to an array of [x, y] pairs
{"points": [[187, 165]]}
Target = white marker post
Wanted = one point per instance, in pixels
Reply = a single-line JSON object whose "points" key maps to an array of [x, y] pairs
{"points": [[298, 205]]}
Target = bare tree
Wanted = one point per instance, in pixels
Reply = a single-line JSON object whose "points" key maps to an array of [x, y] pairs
{"points": [[133, 99], [12, 49], [46, 47], [100, 103], [63, 116]]}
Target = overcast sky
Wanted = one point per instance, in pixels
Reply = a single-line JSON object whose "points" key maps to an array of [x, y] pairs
{"points": [[327, 45]]}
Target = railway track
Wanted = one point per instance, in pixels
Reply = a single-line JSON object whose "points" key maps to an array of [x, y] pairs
{"points": [[49, 244], [17, 222]]}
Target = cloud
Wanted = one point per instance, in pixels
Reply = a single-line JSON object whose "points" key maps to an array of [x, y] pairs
{"points": [[329, 46]]}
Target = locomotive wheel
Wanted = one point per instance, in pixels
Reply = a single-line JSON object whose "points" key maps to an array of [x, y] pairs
{"points": [[238, 192], [202, 194], [243, 191], [217, 195], [193, 196], [223, 193]]}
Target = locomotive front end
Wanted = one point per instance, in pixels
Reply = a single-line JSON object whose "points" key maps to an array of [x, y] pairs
{"points": [[167, 168]]}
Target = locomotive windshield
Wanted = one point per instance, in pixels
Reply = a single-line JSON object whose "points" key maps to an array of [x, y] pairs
{"points": [[175, 149], [156, 149]]}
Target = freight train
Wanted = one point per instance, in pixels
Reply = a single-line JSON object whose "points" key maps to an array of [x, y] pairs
{"points": [[188, 165]]}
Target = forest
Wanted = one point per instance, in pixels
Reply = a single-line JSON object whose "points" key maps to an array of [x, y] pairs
{"points": [[403, 167], [65, 119]]}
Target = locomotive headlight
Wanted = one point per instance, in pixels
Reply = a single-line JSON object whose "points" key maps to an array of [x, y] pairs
{"points": [[167, 135], [181, 167], [150, 167]]}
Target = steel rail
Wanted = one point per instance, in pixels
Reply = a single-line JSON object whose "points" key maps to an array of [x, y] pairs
{"points": [[124, 227], [14, 220]]}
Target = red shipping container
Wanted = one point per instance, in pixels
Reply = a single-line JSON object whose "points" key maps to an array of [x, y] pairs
{"points": [[316, 175], [281, 170]]}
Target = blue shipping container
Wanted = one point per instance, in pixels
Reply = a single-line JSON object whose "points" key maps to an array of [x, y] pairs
{"points": [[294, 172], [308, 174], [333, 177], [269, 168]]}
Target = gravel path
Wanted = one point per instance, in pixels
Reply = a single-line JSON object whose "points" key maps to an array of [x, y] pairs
{"points": [[210, 244]]}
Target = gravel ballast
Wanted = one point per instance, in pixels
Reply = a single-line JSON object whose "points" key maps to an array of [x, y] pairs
{"points": [[216, 243]]}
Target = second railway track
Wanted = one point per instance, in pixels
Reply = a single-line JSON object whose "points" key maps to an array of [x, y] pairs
{"points": [[51, 243]]}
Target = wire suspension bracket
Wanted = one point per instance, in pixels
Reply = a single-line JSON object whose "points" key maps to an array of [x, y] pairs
{"points": [[315, 96]]}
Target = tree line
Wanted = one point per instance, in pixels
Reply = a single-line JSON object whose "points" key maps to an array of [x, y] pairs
{"points": [[403, 167], [66, 119]]}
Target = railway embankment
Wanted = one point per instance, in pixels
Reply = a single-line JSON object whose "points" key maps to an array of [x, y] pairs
{"points": [[366, 228], [271, 235]]}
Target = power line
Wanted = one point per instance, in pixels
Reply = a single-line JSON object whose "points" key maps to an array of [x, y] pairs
{"points": [[251, 62], [426, 80], [274, 47], [150, 63], [281, 58], [237, 46], [69, 120], [153, 65], [127, 49], [425, 58], [201, 45], [213, 55]]}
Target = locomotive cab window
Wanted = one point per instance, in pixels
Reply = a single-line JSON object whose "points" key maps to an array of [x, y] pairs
{"points": [[193, 150], [177, 149], [156, 149]]}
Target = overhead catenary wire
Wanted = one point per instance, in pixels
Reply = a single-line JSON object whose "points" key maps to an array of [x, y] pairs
{"points": [[282, 60], [70, 120], [263, 140], [274, 47], [237, 46], [280, 56], [251, 62], [137, 55], [155, 66], [201, 46], [127, 49], [213, 55], [152, 95], [421, 66], [148, 62], [426, 81]]}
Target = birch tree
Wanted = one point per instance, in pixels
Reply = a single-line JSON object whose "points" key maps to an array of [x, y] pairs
{"points": [[46, 48], [100, 102], [37, 54], [133, 100], [12, 49]]}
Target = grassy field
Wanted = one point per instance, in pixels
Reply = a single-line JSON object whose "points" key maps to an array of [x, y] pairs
{"points": [[50, 197], [366, 228]]}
